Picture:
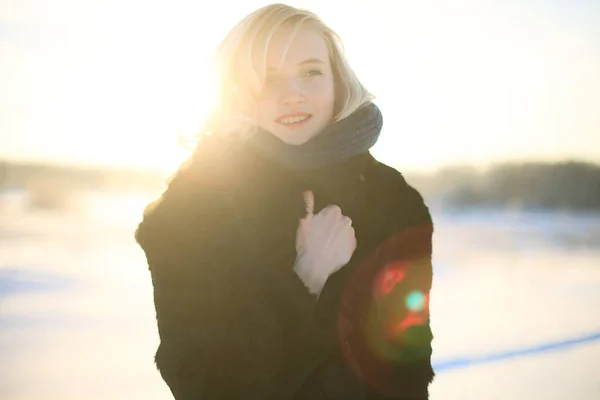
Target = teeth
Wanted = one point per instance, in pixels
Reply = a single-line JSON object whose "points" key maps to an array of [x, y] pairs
{"points": [[293, 120]]}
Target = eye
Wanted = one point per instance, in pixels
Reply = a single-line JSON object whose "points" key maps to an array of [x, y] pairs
{"points": [[270, 79], [313, 72]]}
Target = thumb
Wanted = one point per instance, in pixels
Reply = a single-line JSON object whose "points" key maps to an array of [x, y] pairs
{"points": [[309, 201]]}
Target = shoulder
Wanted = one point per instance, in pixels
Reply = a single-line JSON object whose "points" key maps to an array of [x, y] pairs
{"points": [[166, 219], [401, 197], [195, 197]]}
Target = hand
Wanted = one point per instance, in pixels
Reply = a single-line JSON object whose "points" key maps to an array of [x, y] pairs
{"points": [[324, 242]]}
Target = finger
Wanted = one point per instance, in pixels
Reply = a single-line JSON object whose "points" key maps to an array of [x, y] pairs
{"points": [[333, 210], [350, 233], [344, 223], [309, 201]]}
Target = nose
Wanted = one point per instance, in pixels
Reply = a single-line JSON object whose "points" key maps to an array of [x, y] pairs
{"points": [[291, 93]]}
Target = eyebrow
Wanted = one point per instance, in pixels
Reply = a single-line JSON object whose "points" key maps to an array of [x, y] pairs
{"points": [[309, 61]]}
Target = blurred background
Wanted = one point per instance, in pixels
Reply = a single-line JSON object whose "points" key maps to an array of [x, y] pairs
{"points": [[491, 109]]}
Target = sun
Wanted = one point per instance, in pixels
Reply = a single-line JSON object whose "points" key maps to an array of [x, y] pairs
{"points": [[131, 118]]}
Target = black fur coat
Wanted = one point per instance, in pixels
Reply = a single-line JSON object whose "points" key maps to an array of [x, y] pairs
{"points": [[235, 322]]}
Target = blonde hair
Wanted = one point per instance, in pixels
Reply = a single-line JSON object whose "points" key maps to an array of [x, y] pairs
{"points": [[240, 68]]}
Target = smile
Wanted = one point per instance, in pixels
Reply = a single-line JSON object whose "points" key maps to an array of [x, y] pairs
{"points": [[293, 119]]}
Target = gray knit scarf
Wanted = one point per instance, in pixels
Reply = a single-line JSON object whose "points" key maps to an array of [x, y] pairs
{"points": [[340, 141]]}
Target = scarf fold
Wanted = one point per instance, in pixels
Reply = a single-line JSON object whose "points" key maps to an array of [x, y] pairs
{"points": [[340, 141]]}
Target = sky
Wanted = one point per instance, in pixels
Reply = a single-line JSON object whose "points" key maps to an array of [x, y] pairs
{"points": [[113, 82]]}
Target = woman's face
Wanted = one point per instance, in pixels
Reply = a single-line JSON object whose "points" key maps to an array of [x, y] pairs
{"points": [[297, 101]]}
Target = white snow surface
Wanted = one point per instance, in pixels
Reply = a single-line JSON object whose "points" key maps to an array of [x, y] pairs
{"points": [[514, 305]]}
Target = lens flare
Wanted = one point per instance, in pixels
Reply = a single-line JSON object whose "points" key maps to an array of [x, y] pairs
{"points": [[390, 276], [415, 301]]}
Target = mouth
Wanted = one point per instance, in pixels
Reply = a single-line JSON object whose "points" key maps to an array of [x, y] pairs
{"points": [[294, 120]]}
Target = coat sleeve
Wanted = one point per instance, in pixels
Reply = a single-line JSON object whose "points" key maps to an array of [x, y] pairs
{"points": [[215, 341], [387, 299], [400, 290], [187, 304], [189, 328]]}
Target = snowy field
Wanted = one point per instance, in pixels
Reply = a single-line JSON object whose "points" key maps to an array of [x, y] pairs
{"points": [[515, 304]]}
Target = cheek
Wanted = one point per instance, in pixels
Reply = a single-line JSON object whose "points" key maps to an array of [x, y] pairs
{"points": [[266, 109], [324, 95]]}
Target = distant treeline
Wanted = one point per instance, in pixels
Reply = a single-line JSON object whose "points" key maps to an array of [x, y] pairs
{"points": [[565, 186], [63, 177]]}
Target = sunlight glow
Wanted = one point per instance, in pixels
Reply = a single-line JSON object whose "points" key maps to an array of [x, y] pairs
{"points": [[116, 82]]}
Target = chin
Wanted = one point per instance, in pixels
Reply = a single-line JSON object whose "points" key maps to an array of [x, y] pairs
{"points": [[294, 138], [297, 141]]}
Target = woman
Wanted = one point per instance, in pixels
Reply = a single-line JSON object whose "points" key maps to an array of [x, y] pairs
{"points": [[287, 262]]}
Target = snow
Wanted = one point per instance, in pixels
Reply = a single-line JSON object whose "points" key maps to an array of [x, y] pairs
{"points": [[514, 304]]}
